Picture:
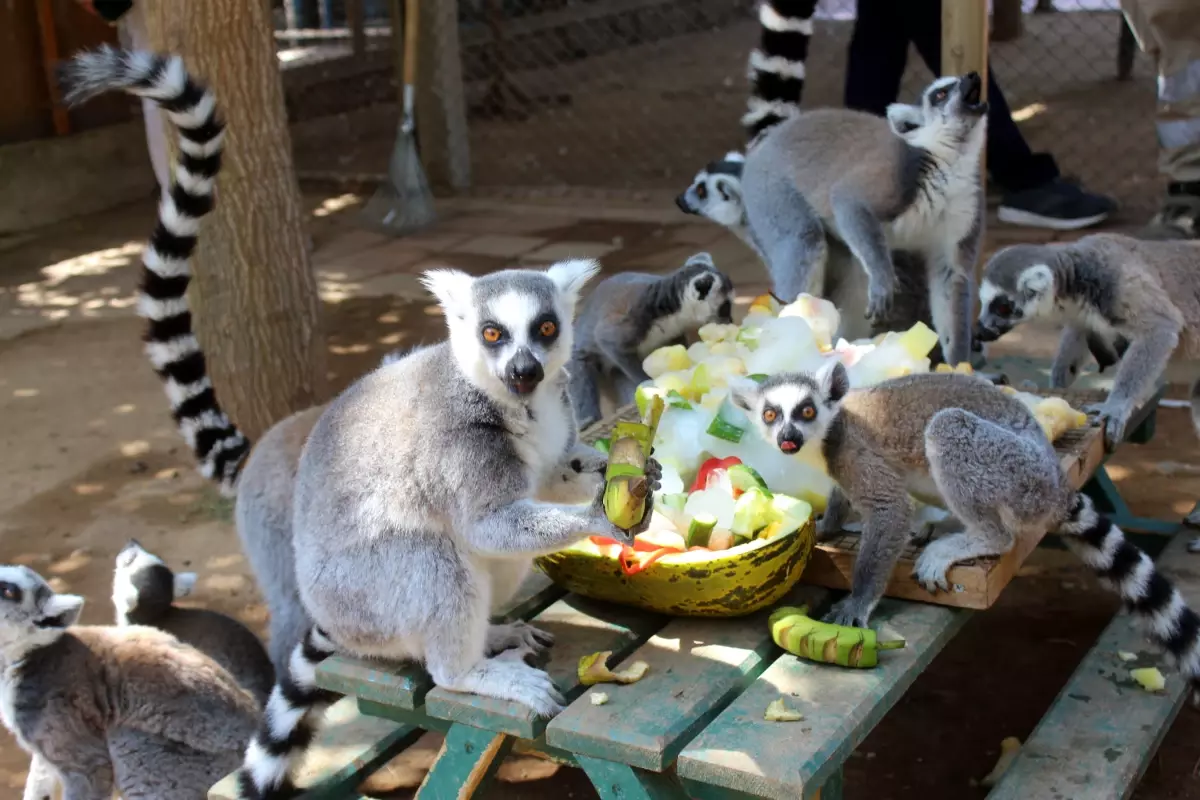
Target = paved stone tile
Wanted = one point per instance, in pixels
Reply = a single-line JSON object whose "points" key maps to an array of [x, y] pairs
{"points": [[559, 251]]}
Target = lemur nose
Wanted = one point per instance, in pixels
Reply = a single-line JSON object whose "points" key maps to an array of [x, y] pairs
{"points": [[681, 201], [524, 368]]}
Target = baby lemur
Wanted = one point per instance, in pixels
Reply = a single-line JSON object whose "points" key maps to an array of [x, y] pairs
{"points": [[1119, 298], [103, 708], [632, 313], [959, 443], [144, 591]]}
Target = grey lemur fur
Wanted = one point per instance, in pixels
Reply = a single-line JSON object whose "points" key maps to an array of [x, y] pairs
{"points": [[959, 443], [628, 315], [910, 182], [1125, 301], [144, 591], [414, 520], [104, 708], [716, 193]]}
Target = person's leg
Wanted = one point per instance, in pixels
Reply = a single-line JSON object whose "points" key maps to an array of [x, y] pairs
{"points": [[1169, 30], [1035, 194], [876, 57]]}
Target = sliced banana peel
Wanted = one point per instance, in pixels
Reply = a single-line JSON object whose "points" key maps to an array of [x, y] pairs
{"points": [[1008, 751], [778, 712], [1150, 678], [593, 669]]}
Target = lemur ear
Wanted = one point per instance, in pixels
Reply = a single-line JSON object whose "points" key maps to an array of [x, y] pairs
{"points": [[729, 188], [703, 285], [735, 156], [184, 583], [702, 257], [452, 288], [744, 395], [61, 610], [1036, 280], [904, 118], [571, 275], [834, 381]]}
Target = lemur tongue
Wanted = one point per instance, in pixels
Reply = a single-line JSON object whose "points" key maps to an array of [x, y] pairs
{"points": [[788, 446]]}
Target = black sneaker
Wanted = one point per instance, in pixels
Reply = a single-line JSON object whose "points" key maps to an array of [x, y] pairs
{"points": [[1060, 205], [1179, 217]]}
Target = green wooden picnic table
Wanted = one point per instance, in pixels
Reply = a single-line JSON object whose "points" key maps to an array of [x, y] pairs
{"points": [[694, 725]]}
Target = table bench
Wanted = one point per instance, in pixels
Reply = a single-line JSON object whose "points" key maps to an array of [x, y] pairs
{"points": [[694, 725]]}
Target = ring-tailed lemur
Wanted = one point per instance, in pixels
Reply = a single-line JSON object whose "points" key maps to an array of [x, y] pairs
{"points": [[776, 67], [103, 708], [144, 591], [263, 483], [415, 520], [1118, 298], [910, 182], [959, 443], [716, 193], [631, 314]]}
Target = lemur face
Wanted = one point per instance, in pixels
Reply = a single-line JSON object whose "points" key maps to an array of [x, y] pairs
{"points": [[30, 609], [142, 582], [716, 192], [791, 409], [708, 292], [512, 329], [955, 100], [1017, 285]]}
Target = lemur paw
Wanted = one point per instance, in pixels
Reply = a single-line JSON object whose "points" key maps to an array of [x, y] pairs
{"points": [[827, 528], [520, 635], [1194, 545], [880, 295], [932, 568], [528, 685], [851, 611], [1115, 421], [589, 463]]}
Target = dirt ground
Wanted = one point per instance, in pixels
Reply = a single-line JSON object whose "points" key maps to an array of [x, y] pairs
{"points": [[91, 459]]}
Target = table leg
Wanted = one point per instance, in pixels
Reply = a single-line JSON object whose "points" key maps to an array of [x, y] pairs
{"points": [[833, 788], [615, 781], [1108, 500], [466, 764]]}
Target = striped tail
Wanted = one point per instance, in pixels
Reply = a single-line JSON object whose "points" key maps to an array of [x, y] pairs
{"points": [[1193, 519], [287, 726], [1147, 595], [776, 67], [171, 346]]}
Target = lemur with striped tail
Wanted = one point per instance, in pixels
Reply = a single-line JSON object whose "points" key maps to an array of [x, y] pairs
{"points": [[959, 443], [376, 485]]}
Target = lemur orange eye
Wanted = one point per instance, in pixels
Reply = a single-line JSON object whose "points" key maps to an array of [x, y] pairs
{"points": [[491, 334], [548, 328], [769, 415], [808, 412]]}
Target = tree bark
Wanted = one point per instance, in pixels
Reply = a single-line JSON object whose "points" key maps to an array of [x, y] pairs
{"points": [[254, 295]]}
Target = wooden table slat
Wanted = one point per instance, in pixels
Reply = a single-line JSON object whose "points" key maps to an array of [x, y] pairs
{"points": [[741, 751], [1103, 728], [580, 626], [696, 667]]}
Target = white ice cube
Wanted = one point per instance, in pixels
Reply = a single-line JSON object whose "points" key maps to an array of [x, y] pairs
{"points": [[711, 501]]}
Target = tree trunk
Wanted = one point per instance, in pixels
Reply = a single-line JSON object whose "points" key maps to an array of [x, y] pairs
{"points": [[254, 294]]}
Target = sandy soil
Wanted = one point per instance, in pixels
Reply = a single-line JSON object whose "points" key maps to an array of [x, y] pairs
{"points": [[91, 459]]}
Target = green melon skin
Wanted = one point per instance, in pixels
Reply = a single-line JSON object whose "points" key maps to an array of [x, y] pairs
{"points": [[729, 585]]}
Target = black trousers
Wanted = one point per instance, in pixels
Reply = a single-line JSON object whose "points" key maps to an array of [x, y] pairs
{"points": [[877, 57]]}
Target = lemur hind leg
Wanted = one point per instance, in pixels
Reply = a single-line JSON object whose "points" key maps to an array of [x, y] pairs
{"points": [[950, 309], [584, 390], [994, 481], [791, 236]]}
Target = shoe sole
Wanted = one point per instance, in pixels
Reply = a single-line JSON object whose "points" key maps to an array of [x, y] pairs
{"points": [[1015, 216]]}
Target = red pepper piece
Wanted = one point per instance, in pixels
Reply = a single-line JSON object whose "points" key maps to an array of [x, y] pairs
{"points": [[710, 466]]}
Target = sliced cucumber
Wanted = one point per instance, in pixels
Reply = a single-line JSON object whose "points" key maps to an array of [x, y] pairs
{"points": [[752, 512], [730, 423], [700, 530], [745, 478]]}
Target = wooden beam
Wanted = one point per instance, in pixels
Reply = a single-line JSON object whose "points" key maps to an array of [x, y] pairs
{"points": [[49, 37], [356, 20], [442, 131]]}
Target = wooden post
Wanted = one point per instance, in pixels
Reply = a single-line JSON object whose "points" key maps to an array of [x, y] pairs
{"points": [[49, 37], [1007, 20], [441, 108], [965, 49], [356, 20]]}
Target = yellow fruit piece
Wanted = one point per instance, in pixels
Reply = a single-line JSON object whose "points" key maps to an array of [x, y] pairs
{"points": [[768, 302], [943, 368], [673, 381], [964, 368], [1009, 748], [598, 698], [1150, 678], [723, 348], [1124, 656], [666, 359], [918, 340], [594, 669], [899, 372], [715, 332], [778, 712]]}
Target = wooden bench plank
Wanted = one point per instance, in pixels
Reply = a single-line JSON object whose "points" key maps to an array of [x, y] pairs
{"points": [[697, 666], [740, 751], [1103, 728], [580, 626], [405, 685], [347, 748]]}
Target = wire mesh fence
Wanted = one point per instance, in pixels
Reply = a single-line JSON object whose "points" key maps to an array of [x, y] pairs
{"points": [[636, 95]]}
